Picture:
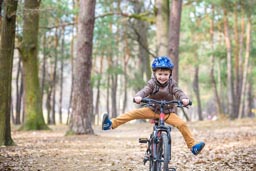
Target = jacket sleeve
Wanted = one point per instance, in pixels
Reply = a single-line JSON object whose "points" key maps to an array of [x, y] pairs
{"points": [[177, 92], [147, 90]]}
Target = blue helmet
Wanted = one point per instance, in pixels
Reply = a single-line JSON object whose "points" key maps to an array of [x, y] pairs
{"points": [[162, 62]]}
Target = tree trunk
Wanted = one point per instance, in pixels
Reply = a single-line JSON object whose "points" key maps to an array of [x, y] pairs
{"points": [[97, 100], [197, 92], [1, 2], [48, 104], [80, 122], [229, 67], [29, 50], [43, 65], [72, 67], [250, 99], [54, 79], [112, 83], [236, 65], [19, 93], [108, 94], [214, 85], [61, 72], [141, 32], [162, 27], [113, 94], [241, 69], [126, 59], [6, 58], [174, 35], [246, 66]]}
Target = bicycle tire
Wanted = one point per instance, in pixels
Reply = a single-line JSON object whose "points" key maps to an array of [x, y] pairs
{"points": [[152, 163], [164, 153]]}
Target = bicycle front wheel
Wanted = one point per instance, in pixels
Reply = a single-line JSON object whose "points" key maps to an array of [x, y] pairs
{"points": [[164, 153]]}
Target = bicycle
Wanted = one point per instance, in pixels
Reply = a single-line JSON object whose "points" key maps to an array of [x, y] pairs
{"points": [[158, 151]]}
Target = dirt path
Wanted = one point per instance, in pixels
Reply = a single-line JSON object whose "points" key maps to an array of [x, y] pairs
{"points": [[229, 146]]}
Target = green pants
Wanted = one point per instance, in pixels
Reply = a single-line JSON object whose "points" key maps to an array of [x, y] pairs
{"points": [[147, 113]]}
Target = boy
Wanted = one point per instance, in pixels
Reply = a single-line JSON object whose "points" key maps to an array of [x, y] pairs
{"points": [[160, 87]]}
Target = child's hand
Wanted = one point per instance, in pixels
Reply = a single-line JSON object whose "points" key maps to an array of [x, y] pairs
{"points": [[185, 102], [137, 99]]}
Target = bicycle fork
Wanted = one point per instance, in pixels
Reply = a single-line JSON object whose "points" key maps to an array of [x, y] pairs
{"points": [[152, 145], [153, 141]]}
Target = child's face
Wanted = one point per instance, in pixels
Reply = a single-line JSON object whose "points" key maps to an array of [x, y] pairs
{"points": [[162, 76]]}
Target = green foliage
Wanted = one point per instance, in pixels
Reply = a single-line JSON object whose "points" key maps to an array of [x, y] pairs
{"points": [[53, 14], [253, 54], [136, 82], [70, 133], [52, 11], [116, 70], [219, 52], [114, 34], [146, 16], [95, 78], [104, 36]]}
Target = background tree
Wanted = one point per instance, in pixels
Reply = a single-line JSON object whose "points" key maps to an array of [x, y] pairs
{"points": [[246, 68], [29, 50], [174, 35], [6, 58], [126, 36], [162, 26], [1, 2], [140, 28], [229, 63], [212, 74], [80, 122]]}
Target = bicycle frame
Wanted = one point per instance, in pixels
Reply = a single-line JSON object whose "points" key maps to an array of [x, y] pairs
{"points": [[157, 131], [159, 139]]}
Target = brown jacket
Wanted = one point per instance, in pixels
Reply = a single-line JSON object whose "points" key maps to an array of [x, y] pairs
{"points": [[169, 91]]}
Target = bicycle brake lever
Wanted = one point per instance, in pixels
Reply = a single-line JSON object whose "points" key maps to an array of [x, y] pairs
{"points": [[180, 104]]}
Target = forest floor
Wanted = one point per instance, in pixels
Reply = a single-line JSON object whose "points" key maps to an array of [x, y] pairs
{"points": [[230, 145]]}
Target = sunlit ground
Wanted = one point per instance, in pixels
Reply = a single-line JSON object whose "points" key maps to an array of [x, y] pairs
{"points": [[229, 146]]}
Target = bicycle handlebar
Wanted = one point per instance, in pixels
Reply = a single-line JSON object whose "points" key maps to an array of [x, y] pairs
{"points": [[164, 102]]}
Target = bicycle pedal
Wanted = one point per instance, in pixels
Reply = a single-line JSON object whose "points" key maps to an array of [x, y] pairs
{"points": [[172, 169], [145, 160], [143, 140]]}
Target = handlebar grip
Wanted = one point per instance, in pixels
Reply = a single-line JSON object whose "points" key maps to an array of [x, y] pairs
{"points": [[133, 100], [145, 100], [190, 103]]}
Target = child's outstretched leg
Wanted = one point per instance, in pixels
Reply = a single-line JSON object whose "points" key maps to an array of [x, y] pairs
{"points": [[141, 113], [174, 120]]}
